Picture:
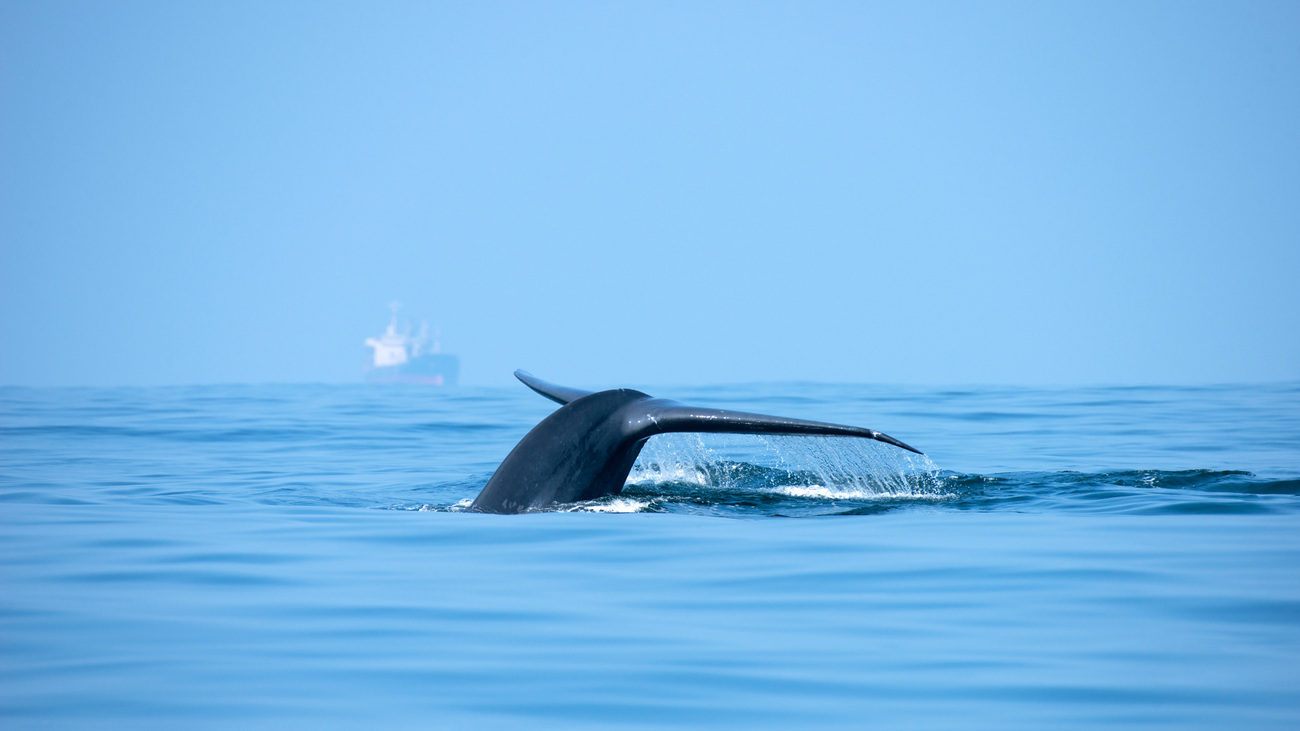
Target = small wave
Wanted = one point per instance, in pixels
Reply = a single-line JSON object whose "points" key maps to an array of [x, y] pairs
{"points": [[459, 507], [1225, 481], [1149, 492], [614, 505], [1236, 481], [823, 492]]}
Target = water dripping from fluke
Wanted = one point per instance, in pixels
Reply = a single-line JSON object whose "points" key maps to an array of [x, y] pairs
{"points": [[726, 469]]}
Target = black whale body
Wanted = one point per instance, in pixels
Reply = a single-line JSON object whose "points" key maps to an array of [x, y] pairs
{"points": [[586, 449]]}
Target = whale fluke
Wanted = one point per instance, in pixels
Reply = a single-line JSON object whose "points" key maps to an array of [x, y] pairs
{"points": [[586, 449], [558, 394]]}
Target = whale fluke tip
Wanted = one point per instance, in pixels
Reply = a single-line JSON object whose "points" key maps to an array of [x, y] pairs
{"points": [[556, 393]]}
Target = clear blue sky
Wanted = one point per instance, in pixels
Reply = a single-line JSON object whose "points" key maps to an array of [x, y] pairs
{"points": [[655, 193]]}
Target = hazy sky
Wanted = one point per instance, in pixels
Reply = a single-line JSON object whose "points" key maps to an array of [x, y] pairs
{"points": [[611, 193]]}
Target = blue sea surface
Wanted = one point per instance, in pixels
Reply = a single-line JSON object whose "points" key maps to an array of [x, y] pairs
{"points": [[277, 556]]}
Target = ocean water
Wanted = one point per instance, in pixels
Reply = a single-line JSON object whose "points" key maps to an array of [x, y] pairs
{"points": [[299, 556]]}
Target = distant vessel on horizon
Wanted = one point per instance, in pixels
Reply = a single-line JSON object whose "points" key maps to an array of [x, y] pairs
{"points": [[403, 358]]}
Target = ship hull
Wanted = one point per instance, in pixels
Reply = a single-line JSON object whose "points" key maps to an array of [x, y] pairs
{"points": [[427, 370]]}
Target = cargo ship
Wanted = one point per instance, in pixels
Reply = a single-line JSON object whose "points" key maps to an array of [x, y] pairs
{"points": [[405, 358]]}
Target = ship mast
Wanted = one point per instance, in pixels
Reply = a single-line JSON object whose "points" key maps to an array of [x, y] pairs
{"points": [[393, 306]]}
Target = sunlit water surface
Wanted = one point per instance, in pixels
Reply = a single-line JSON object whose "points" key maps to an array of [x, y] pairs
{"points": [[272, 556]]}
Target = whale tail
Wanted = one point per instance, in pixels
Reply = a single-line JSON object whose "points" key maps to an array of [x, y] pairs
{"points": [[661, 416], [586, 448]]}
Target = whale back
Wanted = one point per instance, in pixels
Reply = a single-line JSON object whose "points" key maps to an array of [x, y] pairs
{"points": [[580, 452]]}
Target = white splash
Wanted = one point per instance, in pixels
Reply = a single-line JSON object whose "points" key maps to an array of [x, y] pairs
{"points": [[825, 467], [822, 492], [617, 505]]}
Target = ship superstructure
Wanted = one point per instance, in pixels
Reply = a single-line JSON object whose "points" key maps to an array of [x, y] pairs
{"points": [[400, 357]]}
